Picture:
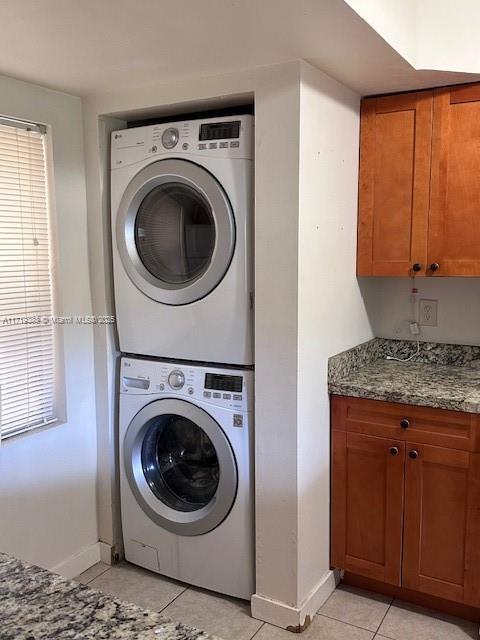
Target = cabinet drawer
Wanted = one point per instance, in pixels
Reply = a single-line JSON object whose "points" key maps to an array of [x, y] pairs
{"points": [[424, 425]]}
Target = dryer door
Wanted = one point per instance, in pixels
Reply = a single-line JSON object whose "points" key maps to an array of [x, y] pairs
{"points": [[175, 231], [180, 467]]}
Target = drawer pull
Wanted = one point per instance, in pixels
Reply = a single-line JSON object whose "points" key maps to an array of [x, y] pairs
{"points": [[394, 451], [413, 454], [404, 423]]}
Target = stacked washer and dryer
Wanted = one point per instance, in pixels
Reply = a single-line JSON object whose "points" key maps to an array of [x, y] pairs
{"points": [[182, 225]]}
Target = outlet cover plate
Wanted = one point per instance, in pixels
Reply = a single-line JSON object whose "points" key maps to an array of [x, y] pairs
{"points": [[428, 313]]}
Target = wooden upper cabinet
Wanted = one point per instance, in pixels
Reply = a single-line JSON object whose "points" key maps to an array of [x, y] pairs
{"points": [[395, 151], [419, 185], [454, 224]]}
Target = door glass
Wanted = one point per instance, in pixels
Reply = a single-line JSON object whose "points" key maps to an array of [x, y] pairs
{"points": [[180, 463], [175, 233]]}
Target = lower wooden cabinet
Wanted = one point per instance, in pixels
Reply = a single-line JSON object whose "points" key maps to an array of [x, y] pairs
{"points": [[405, 513], [367, 514], [442, 523]]}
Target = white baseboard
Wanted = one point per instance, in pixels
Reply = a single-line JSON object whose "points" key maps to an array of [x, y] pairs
{"points": [[294, 619], [105, 552], [79, 562]]}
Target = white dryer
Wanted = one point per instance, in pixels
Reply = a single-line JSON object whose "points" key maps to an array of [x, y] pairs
{"points": [[182, 213], [186, 472]]}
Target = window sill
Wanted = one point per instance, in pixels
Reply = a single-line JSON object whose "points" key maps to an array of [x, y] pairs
{"points": [[13, 437]]}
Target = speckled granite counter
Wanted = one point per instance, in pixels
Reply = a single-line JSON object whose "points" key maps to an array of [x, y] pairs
{"points": [[442, 376], [38, 605]]}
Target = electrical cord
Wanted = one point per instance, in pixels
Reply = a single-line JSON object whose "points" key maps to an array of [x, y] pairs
{"points": [[414, 323], [409, 358]]}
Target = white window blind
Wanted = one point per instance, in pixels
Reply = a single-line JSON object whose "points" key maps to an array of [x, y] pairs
{"points": [[27, 344]]}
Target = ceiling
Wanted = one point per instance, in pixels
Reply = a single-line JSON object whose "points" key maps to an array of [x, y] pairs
{"points": [[86, 47]]}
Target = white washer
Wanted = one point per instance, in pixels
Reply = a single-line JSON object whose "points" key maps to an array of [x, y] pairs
{"points": [[182, 209], [186, 472]]}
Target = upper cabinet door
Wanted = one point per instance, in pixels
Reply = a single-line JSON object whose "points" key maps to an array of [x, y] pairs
{"points": [[395, 153], [454, 226]]}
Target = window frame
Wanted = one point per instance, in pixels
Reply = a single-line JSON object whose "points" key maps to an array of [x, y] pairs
{"points": [[59, 390]]}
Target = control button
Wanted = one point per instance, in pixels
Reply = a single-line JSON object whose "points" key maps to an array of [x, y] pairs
{"points": [[161, 387], [170, 137], [227, 396], [212, 145], [223, 145], [185, 146], [202, 146], [154, 148], [236, 396], [217, 395], [190, 390], [176, 379], [235, 143], [237, 420], [207, 394]]}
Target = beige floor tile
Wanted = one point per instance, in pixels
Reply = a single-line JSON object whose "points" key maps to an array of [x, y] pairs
{"points": [[357, 607], [92, 573], [322, 628], [407, 621], [133, 584], [226, 617]]}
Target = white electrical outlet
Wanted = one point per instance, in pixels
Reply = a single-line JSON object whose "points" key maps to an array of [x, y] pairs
{"points": [[428, 312]]}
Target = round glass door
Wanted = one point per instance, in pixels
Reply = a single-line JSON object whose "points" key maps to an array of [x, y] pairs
{"points": [[180, 466], [180, 463], [175, 231]]}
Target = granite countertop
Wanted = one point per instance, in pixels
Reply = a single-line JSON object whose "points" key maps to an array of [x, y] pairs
{"points": [[36, 604], [441, 376]]}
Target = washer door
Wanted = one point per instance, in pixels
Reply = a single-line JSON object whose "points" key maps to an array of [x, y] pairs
{"points": [[180, 467], [175, 231]]}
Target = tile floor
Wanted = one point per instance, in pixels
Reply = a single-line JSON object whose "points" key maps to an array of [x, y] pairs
{"points": [[349, 614]]}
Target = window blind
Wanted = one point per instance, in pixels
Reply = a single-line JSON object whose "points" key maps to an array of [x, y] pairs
{"points": [[27, 344]]}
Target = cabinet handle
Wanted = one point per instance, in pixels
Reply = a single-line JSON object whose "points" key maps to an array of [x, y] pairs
{"points": [[394, 451], [416, 267], [413, 454], [434, 266], [404, 423]]}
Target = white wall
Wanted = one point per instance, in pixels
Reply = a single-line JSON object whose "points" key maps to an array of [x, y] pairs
{"points": [[331, 312], [394, 20], [447, 35], [389, 308], [47, 477], [430, 34]]}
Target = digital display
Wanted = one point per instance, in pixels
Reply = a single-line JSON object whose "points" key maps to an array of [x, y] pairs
{"points": [[220, 130], [220, 382]]}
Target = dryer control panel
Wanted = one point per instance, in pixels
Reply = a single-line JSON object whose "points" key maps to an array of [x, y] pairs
{"points": [[227, 137], [226, 387]]}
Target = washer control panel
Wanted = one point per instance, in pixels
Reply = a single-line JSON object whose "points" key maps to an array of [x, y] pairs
{"points": [[229, 388]]}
